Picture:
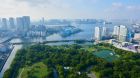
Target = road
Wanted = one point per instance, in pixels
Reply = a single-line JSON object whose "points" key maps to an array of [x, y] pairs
{"points": [[10, 59], [91, 75]]}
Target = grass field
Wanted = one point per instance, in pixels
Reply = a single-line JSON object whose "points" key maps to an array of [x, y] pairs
{"points": [[38, 70], [107, 55]]}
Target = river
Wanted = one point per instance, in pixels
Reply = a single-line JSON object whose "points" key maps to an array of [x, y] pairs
{"points": [[86, 34]]}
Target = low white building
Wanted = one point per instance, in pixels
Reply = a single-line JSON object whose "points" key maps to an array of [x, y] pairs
{"points": [[37, 31], [137, 36]]}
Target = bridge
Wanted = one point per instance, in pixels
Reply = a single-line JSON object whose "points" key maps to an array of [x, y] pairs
{"points": [[8, 39], [42, 42], [45, 42]]}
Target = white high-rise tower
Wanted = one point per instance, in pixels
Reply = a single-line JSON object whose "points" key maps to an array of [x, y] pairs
{"points": [[97, 34], [116, 30], [120, 32], [123, 33]]}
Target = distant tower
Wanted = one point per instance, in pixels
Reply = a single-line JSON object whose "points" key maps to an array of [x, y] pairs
{"points": [[104, 31], [11, 23], [26, 22], [4, 23], [43, 21], [19, 23], [0, 23]]}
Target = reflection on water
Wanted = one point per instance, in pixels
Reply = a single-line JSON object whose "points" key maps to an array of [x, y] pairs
{"points": [[16, 40], [54, 37], [86, 34]]}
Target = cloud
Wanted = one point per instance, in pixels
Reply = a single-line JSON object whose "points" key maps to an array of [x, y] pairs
{"points": [[122, 6], [35, 2], [133, 8], [45, 3], [117, 5], [68, 9], [120, 10], [55, 3], [59, 8], [33, 8]]}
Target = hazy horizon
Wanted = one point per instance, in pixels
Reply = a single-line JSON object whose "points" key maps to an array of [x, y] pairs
{"points": [[71, 9]]}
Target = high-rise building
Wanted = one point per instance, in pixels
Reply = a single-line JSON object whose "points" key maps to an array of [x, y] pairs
{"points": [[116, 30], [19, 23], [120, 32], [123, 33], [97, 34], [11, 23], [129, 36], [26, 22], [4, 23], [23, 23]]}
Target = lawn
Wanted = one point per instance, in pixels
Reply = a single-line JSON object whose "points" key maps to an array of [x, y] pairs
{"points": [[107, 55], [38, 70]]}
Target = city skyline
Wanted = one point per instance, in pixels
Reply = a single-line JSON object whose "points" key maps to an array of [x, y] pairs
{"points": [[111, 9]]}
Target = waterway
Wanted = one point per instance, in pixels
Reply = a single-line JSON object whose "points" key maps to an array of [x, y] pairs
{"points": [[86, 34]]}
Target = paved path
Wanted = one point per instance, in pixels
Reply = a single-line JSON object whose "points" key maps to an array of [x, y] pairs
{"points": [[21, 73], [91, 75]]}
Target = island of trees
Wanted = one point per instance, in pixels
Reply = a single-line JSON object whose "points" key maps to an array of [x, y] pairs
{"points": [[73, 61]]}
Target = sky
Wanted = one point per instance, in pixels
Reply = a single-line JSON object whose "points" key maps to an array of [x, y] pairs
{"points": [[71, 9]]}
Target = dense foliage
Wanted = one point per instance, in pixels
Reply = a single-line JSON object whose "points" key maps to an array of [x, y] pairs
{"points": [[77, 59], [127, 67]]}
